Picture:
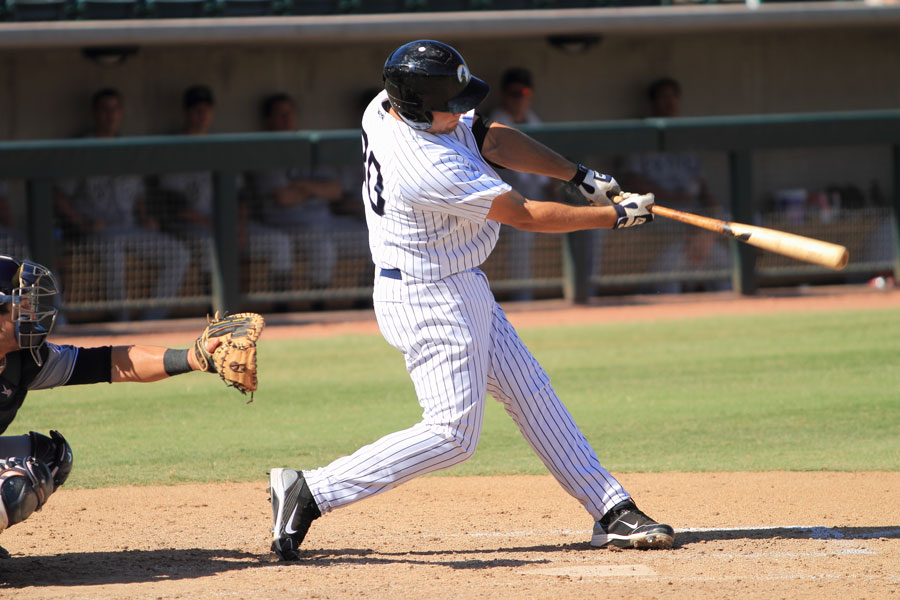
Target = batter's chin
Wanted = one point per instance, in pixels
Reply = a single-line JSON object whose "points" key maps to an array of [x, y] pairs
{"points": [[448, 129]]}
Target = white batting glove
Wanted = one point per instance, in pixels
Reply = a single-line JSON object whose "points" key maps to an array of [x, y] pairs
{"points": [[633, 209], [598, 188]]}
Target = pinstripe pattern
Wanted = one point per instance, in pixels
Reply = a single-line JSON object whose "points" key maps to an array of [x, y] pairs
{"points": [[437, 192], [458, 345]]}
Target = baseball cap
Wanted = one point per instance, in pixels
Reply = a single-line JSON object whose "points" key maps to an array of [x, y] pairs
{"points": [[516, 82], [197, 94]]}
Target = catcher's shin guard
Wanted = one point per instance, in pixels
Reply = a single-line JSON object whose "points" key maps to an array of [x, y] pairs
{"points": [[55, 452], [25, 485]]}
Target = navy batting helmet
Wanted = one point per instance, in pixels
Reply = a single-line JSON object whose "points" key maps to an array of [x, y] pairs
{"points": [[425, 76], [31, 291]]}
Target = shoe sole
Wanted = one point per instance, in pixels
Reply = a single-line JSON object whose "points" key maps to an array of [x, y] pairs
{"points": [[643, 541], [281, 543]]}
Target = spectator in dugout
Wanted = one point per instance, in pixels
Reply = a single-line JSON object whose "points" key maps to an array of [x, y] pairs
{"points": [[190, 196], [12, 239], [678, 181], [107, 216], [516, 95], [301, 201]]}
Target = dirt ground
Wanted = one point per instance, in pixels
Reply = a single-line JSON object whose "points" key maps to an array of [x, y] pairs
{"points": [[758, 535]]}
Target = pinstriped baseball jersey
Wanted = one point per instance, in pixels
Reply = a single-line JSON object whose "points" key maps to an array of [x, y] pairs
{"points": [[428, 195]]}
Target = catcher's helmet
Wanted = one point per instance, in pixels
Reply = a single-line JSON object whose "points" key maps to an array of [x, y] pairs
{"points": [[425, 76], [31, 291]]}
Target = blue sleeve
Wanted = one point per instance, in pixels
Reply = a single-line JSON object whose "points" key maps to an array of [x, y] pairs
{"points": [[71, 365]]}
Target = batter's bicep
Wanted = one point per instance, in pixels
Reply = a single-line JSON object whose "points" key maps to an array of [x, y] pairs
{"points": [[509, 209]]}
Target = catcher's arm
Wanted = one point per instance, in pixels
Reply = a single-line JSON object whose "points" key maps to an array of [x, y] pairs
{"points": [[143, 364]]}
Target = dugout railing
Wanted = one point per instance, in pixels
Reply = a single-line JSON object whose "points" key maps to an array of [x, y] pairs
{"points": [[565, 265]]}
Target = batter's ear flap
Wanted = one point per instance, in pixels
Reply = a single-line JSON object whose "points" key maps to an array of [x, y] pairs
{"points": [[480, 127]]}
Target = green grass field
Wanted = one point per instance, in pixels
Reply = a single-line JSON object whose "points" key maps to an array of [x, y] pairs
{"points": [[813, 391]]}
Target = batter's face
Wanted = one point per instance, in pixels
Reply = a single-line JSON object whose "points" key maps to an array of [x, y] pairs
{"points": [[444, 122]]}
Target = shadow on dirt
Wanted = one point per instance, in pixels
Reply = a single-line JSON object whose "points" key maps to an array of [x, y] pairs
{"points": [[126, 566], [145, 566], [446, 557]]}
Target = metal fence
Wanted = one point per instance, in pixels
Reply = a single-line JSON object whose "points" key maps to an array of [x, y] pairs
{"points": [[162, 267]]}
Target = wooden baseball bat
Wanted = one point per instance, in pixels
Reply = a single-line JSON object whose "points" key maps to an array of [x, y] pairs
{"points": [[800, 247]]}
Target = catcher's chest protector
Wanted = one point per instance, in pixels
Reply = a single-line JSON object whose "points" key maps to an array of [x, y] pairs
{"points": [[20, 371]]}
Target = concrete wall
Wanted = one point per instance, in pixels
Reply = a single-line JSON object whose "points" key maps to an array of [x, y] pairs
{"points": [[45, 92]]}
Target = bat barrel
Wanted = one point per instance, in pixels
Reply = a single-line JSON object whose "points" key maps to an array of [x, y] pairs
{"points": [[807, 249]]}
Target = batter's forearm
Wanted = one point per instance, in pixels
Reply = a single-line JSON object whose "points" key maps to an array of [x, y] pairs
{"points": [[512, 149], [554, 217], [516, 211]]}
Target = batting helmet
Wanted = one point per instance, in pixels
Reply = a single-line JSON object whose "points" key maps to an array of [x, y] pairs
{"points": [[31, 291], [425, 76]]}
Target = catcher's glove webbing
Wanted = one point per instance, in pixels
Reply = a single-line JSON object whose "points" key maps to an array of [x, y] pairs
{"points": [[235, 357]]}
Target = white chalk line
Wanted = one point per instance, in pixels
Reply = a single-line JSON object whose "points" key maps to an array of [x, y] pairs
{"points": [[889, 578], [816, 532]]}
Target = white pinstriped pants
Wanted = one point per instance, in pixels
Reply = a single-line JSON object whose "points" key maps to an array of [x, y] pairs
{"points": [[458, 347]]}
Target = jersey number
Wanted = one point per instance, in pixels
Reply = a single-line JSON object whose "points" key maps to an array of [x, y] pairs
{"points": [[376, 187]]}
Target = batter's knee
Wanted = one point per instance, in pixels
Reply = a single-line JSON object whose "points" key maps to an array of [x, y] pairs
{"points": [[25, 486], [459, 443]]}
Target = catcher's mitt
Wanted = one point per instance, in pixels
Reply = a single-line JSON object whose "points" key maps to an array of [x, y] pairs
{"points": [[235, 358]]}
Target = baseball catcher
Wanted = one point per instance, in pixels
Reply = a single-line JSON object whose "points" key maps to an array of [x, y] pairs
{"points": [[33, 466]]}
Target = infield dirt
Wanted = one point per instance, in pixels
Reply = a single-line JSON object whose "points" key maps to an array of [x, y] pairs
{"points": [[755, 535]]}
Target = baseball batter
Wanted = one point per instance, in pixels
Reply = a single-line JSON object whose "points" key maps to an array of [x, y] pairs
{"points": [[434, 205]]}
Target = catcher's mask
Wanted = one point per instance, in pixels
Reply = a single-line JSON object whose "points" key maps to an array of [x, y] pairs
{"points": [[31, 291]]}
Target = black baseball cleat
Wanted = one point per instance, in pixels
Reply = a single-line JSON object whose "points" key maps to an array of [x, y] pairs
{"points": [[625, 526], [293, 510]]}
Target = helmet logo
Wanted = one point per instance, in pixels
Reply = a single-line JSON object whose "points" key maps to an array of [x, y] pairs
{"points": [[462, 73]]}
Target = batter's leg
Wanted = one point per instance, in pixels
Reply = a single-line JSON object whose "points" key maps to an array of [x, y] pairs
{"points": [[518, 381], [443, 330]]}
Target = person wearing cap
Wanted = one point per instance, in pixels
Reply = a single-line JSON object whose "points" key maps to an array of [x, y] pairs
{"points": [[677, 180], [12, 238], [108, 218], [191, 198], [516, 93], [300, 202]]}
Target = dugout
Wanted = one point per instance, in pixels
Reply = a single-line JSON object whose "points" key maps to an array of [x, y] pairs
{"points": [[590, 66]]}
